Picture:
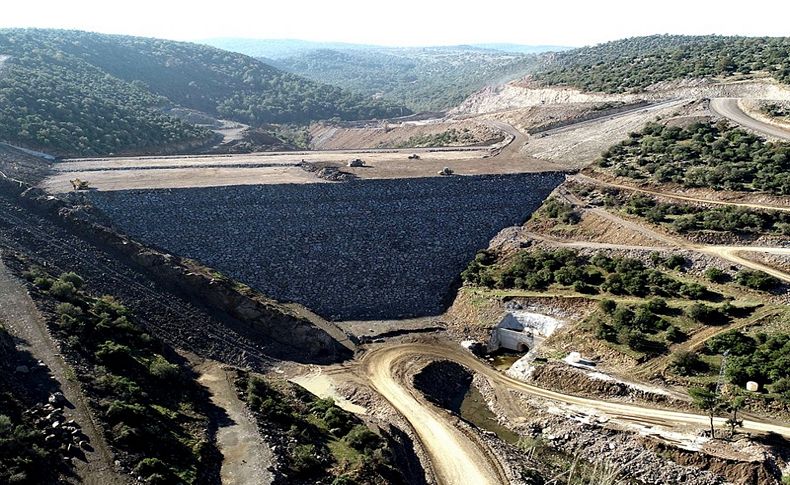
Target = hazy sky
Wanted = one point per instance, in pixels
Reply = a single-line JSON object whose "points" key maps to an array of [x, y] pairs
{"points": [[405, 22]]}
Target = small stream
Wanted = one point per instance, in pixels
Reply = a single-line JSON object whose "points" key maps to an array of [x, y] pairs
{"points": [[475, 410]]}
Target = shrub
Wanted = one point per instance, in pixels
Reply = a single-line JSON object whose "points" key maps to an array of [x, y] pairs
{"points": [[362, 439], [686, 363], [693, 291], [675, 262], [152, 468], [657, 305], [635, 340], [336, 418], [43, 283], [67, 309], [304, 460], [706, 314], [607, 305], [715, 275], [606, 332], [72, 278], [756, 280], [674, 334], [115, 355], [161, 369], [63, 290], [734, 341]]}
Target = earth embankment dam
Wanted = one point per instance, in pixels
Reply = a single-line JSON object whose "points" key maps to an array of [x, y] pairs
{"points": [[360, 250]]}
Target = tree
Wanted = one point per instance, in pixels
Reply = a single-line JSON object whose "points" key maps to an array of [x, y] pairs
{"points": [[733, 405], [706, 400], [686, 363]]}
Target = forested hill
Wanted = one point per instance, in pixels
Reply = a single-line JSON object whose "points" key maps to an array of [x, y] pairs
{"points": [[635, 63], [80, 93], [422, 78]]}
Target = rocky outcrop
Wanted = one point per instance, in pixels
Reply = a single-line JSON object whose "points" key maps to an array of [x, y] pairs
{"points": [[365, 249]]}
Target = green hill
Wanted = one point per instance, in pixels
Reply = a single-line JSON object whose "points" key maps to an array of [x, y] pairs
{"points": [[635, 63], [80, 93], [422, 78]]}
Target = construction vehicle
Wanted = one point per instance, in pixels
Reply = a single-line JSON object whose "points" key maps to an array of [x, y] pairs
{"points": [[357, 162], [414, 156], [446, 171], [78, 184]]}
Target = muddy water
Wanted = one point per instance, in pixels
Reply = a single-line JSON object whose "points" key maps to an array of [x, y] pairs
{"points": [[475, 410], [502, 362]]}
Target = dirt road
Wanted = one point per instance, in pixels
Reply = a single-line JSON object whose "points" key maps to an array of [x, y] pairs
{"points": [[245, 457], [729, 108], [382, 367], [456, 457], [670, 195], [23, 321]]}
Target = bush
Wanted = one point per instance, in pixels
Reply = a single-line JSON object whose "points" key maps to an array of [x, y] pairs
{"points": [[715, 275], [72, 278], [304, 461], [69, 310], [687, 363], [756, 280], [63, 290], [675, 262], [657, 305], [694, 291], [607, 305], [675, 335], [161, 369], [362, 439], [634, 339], [706, 314], [606, 332], [43, 283]]}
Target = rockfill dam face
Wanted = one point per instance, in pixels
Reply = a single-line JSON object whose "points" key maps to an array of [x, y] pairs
{"points": [[365, 249]]}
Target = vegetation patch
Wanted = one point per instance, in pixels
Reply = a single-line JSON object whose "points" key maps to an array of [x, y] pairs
{"points": [[568, 269], [630, 65], [686, 218], [81, 93], [322, 443], [141, 391], [451, 137], [702, 155]]}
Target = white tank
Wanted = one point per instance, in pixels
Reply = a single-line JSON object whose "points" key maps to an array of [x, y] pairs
{"points": [[752, 386]]}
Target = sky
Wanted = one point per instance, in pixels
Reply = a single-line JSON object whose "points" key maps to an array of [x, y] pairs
{"points": [[405, 22]]}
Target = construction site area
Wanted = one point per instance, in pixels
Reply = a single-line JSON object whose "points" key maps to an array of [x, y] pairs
{"points": [[531, 302]]}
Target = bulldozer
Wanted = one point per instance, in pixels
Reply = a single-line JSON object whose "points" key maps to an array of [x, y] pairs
{"points": [[78, 184]]}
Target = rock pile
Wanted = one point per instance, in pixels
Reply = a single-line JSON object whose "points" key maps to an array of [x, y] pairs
{"points": [[59, 433]]}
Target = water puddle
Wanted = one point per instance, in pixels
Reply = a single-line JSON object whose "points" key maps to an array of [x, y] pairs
{"points": [[503, 361], [475, 410]]}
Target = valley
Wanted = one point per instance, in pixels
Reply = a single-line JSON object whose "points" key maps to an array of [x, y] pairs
{"points": [[600, 269]]}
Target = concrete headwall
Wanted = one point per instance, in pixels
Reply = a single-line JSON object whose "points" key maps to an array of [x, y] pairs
{"points": [[366, 249]]}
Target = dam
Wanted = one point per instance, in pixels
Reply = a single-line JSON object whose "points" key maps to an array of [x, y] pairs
{"points": [[359, 250]]}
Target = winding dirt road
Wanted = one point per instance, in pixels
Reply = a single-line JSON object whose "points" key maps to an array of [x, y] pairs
{"points": [[456, 457], [729, 108]]}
